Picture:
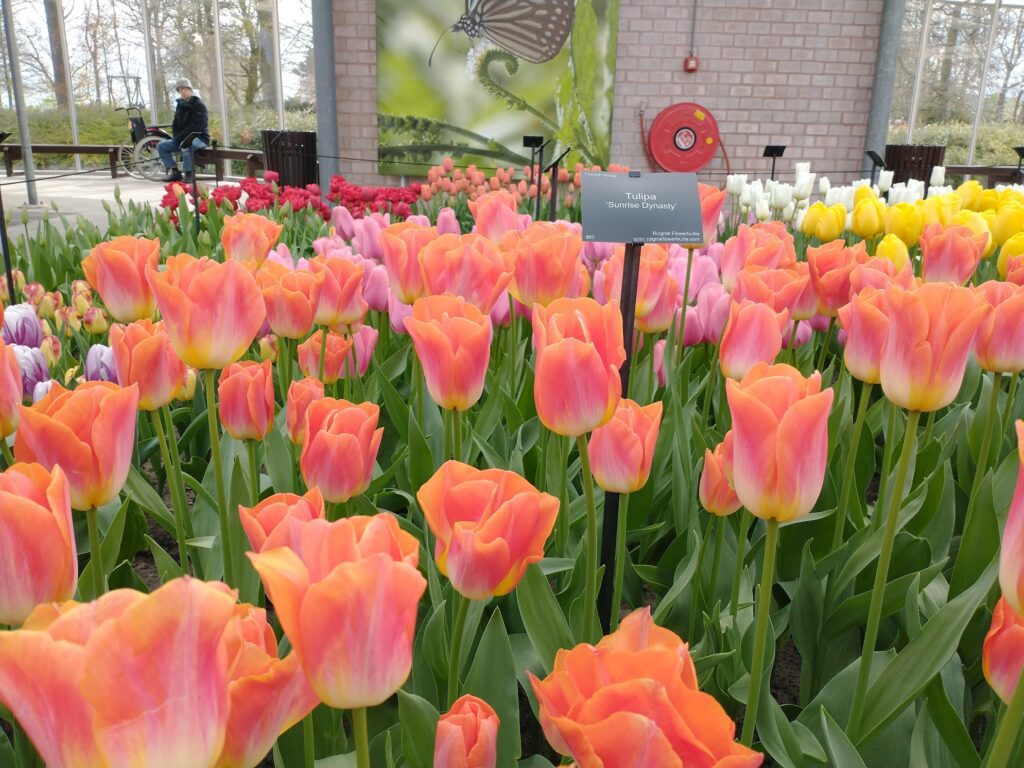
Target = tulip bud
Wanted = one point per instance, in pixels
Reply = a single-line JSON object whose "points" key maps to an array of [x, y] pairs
{"points": [[268, 348], [1002, 661], [33, 293], [467, 735], [95, 321], [885, 180], [22, 326], [188, 386], [938, 177], [66, 321], [824, 185], [49, 303]]}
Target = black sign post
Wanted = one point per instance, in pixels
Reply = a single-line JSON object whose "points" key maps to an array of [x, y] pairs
{"points": [[6, 246], [634, 208]]}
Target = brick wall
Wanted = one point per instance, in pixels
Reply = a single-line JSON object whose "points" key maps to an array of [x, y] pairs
{"points": [[793, 72]]}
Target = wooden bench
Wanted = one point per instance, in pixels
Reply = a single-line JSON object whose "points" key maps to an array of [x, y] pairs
{"points": [[993, 174], [253, 159], [12, 153]]}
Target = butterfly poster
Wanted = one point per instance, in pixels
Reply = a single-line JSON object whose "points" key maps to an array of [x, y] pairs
{"points": [[469, 78]]}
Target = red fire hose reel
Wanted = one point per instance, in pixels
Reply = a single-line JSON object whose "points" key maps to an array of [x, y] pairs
{"points": [[683, 138]]}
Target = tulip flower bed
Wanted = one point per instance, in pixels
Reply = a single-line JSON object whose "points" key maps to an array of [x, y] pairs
{"points": [[299, 492]]}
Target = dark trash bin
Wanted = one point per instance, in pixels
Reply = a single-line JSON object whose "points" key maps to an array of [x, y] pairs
{"points": [[913, 161], [292, 154]]}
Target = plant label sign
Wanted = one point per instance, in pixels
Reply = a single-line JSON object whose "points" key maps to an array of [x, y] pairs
{"points": [[641, 208]]}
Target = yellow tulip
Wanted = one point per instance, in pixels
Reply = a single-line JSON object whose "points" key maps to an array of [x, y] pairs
{"points": [[1009, 222], [868, 217], [970, 195], [904, 221], [824, 222], [863, 193], [990, 199], [939, 210], [1012, 247], [895, 250], [977, 224]]}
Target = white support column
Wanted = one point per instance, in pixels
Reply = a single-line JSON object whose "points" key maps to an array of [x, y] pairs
{"points": [[979, 109], [922, 57], [278, 73]]}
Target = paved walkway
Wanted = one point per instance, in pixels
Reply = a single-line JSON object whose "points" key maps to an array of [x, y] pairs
{"points": [[73, 196]]}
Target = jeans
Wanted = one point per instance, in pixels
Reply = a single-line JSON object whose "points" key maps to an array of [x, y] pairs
{"points": [[168, 147]]}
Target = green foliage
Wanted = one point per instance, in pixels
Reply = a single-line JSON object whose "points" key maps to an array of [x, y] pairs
{"points": [[995, 141]]}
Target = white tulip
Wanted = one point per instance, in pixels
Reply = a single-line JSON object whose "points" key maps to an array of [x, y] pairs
{"points": [[824, 185], [885, 180], [762, 211], [939, 191], [938, 178], [788, 211], [734, 183], [782, 195], [802, 169], [804, 186]]}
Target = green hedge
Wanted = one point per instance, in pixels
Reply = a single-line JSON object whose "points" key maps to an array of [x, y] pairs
{"points": [[995, 141]]}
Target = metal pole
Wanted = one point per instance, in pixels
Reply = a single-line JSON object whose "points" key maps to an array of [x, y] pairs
{"points": [[980, 108], [6, 246], [69, 80], [325, 93], [536, 179], [147, 41], [277, 62], [922, 57], [627, 302], [221, 96], [885, 78], [19, 104]]}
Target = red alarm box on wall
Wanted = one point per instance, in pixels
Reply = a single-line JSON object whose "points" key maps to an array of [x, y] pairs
{"points": [[691, 63]]}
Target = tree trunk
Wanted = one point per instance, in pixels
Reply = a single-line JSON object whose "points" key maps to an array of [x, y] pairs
{"points": [[54, 24], [268, 81], [949, 53]]}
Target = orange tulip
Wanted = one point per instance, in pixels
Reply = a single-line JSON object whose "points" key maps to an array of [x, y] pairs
{"points": [[117, 269], [622, 451], [143, 355], [401, 245], [63, 680], [452, 339], [780, 289], [211, 311], [711, 201], [300, 394], [249, 237], [246, 400], [546, 260], [467, 735], [490, 525], [469, 266], [717, 494], [831, 265], [38, 559], [89, 432], [950, 253], [931, 334], [495, 213], [10, 391], [277, 520], [291, 297], [1011, 554], [1000, 342], [764, 244], [338, 350], [1002, 654], [579, 350], [653, 277], [347, 599], [780, 440], [866, 323], [879, 272], [753, 334], [340, 448], [633, 700], [341, 299], [267, 695]]}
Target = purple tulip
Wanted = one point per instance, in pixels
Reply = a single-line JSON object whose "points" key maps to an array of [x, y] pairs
{"points": [[33, 367], [22, 326], [41, 390], [448, 222], [99, 364], [344, 224]]}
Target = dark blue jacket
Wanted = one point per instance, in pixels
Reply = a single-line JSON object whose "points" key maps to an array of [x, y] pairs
{"points": [[190, 120]]}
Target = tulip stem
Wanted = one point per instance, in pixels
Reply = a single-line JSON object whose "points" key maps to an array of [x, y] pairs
{"points": [[764, 607], [826, 342], [889, 439], [254, 470], [218, 472], [741, 551], [6, 450], [851, 463], [709, 391], [308, 751], [792, 343], [179, 513], [1008, 411], [323, 354], [620, 561], [172, 442], [716, 562], [1001, 751], [460, 609], [99, 577], [881, 576], [986, 444], [590, 584], [362, 737], [564, 522], [456, 435], [681, 341]]}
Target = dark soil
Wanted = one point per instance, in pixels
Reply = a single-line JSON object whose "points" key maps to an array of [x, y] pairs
{"points": [[785, 685]]}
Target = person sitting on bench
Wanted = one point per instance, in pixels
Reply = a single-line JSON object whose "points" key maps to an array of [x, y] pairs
{"points": [[190, 131]]}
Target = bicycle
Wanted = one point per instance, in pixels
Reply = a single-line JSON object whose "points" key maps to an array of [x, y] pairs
{"points": [[138, 156]]}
